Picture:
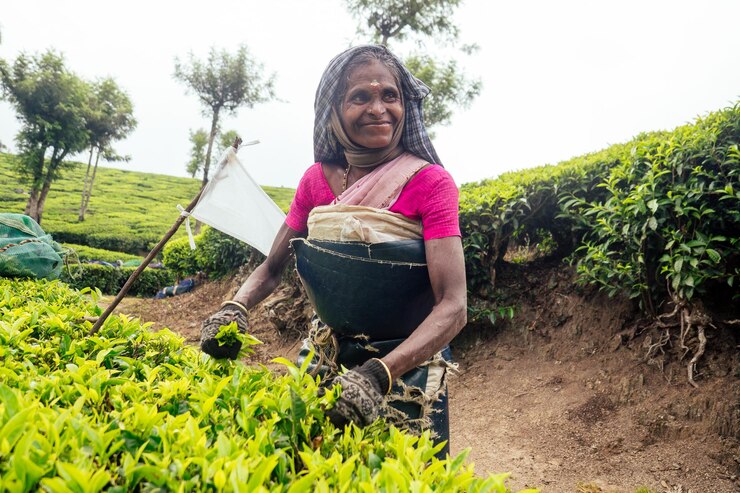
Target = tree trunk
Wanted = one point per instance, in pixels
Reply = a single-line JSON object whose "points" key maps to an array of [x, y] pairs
{"points": [[32, 205], [33, 197], [42, 199], [88, 191], [211, 138], [81, 216], [207, 165]]}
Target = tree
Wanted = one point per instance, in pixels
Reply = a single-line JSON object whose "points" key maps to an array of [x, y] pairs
{"points": [[387, 19], [110, 118], [199, 141], [223, 83], [399, 20], [225, 140], [449, 87], [52, 105]]}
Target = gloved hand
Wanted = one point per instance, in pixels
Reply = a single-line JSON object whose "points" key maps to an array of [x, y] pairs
{"points": [[209, 329], [362, 394]]}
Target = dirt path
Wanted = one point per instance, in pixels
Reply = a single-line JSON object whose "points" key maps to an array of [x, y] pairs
{"points": [[558, 396]]}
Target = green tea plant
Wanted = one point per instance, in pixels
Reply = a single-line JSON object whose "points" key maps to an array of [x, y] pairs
{"points": [[524, 204], [178, 257], [667, 228], [216, 254], [81, 253], [656, 219], [131, 410], [109, 280]]}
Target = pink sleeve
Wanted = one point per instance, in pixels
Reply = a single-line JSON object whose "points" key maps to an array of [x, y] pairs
{"points": [[312, 191], [432, 197]]}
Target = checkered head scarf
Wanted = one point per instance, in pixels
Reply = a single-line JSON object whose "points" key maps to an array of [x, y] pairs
{"points": [[326, 146]]}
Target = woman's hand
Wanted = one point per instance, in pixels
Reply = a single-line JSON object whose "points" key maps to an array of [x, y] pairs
{"points": [[256, 288], [210, 327], [362, 394]]}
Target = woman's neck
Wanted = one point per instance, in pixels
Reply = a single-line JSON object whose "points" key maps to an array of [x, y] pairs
{"points": [[353, 174]]}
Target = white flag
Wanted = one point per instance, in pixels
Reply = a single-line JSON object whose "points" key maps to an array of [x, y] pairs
{"points": [[233, 203]]}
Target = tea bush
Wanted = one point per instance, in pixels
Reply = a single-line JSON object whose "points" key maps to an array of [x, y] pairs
{"points": [[178, 257], [525, 204], [130, 410], [656, 219], [82, 253], [657, 216], [110, 280], [668, 223], [216, 254]]}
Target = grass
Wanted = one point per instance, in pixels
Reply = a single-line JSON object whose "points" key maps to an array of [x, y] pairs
{"points": [[129, 211]]}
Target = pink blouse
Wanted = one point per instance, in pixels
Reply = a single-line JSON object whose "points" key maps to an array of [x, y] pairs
{"points": [[430, 196]]}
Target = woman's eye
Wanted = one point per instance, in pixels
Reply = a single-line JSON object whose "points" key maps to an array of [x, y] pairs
{"points": [[390, 96], [359, 98]]}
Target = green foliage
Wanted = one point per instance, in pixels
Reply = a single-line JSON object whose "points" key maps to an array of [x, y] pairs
{"points": [[52, 105], [131, 410], [223, 83], [178, 257], [220, 254], [479, 311], [386, 20], [81, 253], [111, 118], [225, 140], [524, 204], [669, 220], [130, 211], [111, 114], [216, 253], [399, 19], [230, 334], [655, 218], [103, 277], [199, 142], [449, 87], [110, 280]]}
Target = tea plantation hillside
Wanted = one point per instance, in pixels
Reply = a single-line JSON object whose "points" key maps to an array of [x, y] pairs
{"points": [[129, 211]]}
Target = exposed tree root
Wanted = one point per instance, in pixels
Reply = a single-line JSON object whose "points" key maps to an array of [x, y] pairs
{"points": [[692, 364], [688, 320]]}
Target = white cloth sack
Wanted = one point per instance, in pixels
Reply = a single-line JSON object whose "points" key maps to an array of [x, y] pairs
{"points": [[233, 203]]}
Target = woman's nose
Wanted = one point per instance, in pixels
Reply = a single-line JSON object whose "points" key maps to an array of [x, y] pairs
{"points": [[376, 107]]}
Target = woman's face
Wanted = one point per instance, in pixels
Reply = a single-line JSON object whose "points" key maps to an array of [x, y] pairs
{"points": [[372, 107]]}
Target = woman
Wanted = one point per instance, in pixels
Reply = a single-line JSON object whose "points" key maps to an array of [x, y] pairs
{"points": [[377, 185]]}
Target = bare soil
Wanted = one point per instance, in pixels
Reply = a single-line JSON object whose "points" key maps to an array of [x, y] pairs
{"points": [[560, 396]]}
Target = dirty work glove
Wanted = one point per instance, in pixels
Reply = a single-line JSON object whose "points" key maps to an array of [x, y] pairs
{"points": [[230, 311], [362, 394]]}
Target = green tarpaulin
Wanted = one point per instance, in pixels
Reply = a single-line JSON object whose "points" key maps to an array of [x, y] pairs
{"points": [[25, 250]]}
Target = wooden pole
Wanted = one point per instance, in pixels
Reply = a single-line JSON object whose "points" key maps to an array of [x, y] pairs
{"points": [[135, 274]]}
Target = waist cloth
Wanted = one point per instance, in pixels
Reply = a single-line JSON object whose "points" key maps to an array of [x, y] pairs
{"points": [[369, 296]]}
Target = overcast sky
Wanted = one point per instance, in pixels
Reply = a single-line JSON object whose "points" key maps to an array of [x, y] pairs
{"points": [[560, 78]]}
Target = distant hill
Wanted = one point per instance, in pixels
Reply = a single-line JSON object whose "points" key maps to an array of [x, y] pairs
{"points": [[129, 210]]}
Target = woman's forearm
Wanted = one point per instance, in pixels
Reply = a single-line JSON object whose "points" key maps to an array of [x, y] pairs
{"points": [[447, 275], [258, 286], [435, 332], [266, 277]]}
